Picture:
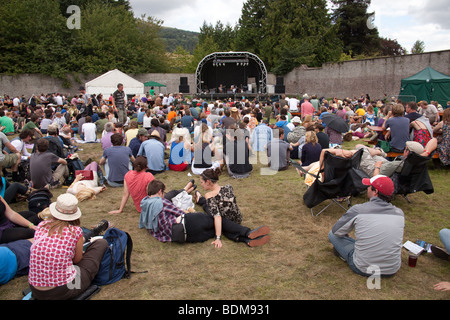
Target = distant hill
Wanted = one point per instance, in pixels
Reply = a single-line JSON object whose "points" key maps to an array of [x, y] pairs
{"points": [[176, 37]]}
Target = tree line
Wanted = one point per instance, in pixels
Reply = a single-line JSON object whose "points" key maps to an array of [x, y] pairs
{"points": [[35, 37]]}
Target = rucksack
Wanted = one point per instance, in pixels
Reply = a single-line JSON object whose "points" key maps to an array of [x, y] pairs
{"points": [[23, 171], [39, 199], [116, 261], [73, 165]]}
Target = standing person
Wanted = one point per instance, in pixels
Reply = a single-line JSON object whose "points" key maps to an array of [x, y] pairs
{"points": [[59, 269], [378, 228], [118, 100], [307, 108]]}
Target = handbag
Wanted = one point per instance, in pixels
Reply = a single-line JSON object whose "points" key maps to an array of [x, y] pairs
{"points": [[87, 174], [179, 231]]}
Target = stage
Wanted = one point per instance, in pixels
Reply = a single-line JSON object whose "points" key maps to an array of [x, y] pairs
{"points": [[235, 96]]}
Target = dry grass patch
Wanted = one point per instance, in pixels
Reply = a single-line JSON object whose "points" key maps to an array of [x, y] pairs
{"points": [[297, 264]]}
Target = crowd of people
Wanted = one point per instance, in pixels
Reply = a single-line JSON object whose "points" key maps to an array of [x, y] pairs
{"points": [[142, 137]]}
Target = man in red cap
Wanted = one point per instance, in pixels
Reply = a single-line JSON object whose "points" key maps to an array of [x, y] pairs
{"points": [[378, 229]]}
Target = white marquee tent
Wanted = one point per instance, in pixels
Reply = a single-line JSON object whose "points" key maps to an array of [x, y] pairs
{"points": [[107, 83]]}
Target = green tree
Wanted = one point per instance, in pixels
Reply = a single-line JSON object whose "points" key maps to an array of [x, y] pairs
{"points": [[204, 48], [298, 32], [222, 35], [111, 38], [250, 33], [391, 47], [358, 36], [180, 61], [418, 47], [34, 37]]}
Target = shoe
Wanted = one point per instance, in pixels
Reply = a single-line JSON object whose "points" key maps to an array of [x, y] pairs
{"points": [[258, 232], [88, 161], [101, 227], [198, 195], [54, 184], [441, 253], [258, 241], [336, 253]]}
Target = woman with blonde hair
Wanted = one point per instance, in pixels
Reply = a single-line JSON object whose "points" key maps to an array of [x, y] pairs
{"points": [[86, 189], [235, 115], [310, 151], [59, 267], [308, 121]]}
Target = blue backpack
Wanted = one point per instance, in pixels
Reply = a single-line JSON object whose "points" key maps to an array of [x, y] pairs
{"points": [[116, 261]]}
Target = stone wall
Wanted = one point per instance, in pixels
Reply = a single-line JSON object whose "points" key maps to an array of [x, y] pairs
{"points": [[375, 77]]}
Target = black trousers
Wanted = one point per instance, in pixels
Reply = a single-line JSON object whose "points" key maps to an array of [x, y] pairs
{"points": [[200, 228]]}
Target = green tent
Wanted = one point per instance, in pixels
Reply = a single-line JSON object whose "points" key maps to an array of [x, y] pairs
{"points": [[428, 85], [155, 84]]}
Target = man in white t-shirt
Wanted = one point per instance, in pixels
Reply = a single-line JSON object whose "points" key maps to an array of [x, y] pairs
{"points": [[293, 104], [429, 111], [59, 100], [89, 130], [16, 102]]}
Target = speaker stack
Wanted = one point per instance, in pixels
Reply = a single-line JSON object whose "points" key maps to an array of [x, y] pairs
{"points": [[279, 87], [184, 87]]}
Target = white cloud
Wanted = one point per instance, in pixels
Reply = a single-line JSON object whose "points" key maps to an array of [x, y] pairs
{"points": [[190, 15], [403, 20]]}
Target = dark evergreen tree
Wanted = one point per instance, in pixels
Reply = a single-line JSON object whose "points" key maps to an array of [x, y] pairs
{"points": [[298, 32], [358, 36]]}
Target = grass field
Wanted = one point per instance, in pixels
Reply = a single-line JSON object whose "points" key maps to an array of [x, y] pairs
{"points": [[297, 264]]}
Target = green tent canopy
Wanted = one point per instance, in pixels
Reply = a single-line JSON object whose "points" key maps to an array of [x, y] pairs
{"points": [[428, 85], [154, 84]]}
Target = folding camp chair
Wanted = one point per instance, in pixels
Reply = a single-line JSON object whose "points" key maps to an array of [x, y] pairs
{"points": [[414, 176], [342, 178]]}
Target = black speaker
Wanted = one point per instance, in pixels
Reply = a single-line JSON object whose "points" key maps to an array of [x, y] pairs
{"points": [[184, 89], [280, 89], [280, 81], [183, 81]]}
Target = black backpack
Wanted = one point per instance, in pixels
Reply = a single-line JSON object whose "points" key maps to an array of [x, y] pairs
{"points": [[39, 199]]}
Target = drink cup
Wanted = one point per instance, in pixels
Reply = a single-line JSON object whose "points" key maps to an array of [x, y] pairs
{"points": [[412, 260]]}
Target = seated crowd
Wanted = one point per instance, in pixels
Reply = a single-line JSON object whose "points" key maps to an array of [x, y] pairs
{"points": [[172, 133]]}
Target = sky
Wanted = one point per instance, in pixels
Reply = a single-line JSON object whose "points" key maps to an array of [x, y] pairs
{"points": [[403, 20]]}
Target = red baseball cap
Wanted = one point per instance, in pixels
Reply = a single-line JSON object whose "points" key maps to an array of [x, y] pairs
{"points": [[382, 183]]}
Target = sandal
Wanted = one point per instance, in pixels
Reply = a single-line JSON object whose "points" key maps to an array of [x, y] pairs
{"points": [[198, 195]]}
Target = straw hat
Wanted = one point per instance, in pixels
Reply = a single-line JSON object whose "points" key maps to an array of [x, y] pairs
{"points": [[65, 208], [155, 134], [296, 120]]}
